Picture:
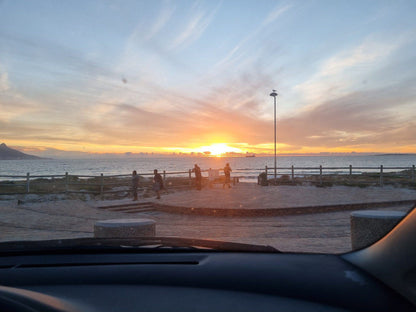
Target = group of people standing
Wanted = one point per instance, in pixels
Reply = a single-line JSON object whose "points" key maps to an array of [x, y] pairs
{"points": [[158, 180], [156, 187], [198, 176]]}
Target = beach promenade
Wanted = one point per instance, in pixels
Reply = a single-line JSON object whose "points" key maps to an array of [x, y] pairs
{"points": [[313, 231]]}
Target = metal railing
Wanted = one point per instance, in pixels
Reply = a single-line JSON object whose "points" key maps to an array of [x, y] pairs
{"points": [[371, 175]]}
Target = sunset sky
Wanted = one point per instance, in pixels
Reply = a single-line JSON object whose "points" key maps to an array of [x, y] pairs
{"points": [[194, 76]]}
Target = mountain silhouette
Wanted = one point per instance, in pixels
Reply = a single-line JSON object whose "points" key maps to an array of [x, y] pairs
{"points": [[7, 153]]}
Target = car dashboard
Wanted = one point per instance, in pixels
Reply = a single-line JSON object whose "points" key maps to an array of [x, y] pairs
{"points": [[190, 281]]}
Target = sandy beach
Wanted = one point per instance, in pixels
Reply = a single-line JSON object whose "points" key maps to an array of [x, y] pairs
{"points": [[56, 217]]}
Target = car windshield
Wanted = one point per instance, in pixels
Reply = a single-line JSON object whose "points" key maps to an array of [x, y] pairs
{"points": [[275, 123]]}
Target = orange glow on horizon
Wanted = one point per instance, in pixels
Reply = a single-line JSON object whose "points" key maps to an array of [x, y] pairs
{"points": [[215, 149], [218, 149]]}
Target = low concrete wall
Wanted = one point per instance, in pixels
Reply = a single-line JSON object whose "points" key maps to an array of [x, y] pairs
{"points": [[124, 228], [368, 226]]}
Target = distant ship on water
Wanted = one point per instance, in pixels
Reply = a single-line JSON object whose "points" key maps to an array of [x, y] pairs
{"points": [[250, 155]]}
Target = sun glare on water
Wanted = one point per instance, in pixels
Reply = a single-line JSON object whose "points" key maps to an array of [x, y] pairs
{"points": [[218, 149]]}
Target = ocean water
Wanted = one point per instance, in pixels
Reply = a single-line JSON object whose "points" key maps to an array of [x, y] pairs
{"points": [[250, 167]]}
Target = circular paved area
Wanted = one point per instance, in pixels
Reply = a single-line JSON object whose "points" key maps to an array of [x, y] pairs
{"points": [[247, 199], [253, 196]]}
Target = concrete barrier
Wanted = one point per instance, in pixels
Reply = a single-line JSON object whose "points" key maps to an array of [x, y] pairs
{"points": [[124, 228], [368, 226]]}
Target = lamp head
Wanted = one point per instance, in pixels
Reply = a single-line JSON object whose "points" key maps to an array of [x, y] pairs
{"points": [[274, 93]]}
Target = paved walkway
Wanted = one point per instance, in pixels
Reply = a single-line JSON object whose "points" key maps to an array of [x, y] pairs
{"points": [[320, 232]]}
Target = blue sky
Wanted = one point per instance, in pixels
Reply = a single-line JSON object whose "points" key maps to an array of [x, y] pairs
{"points": [[118, 76]]}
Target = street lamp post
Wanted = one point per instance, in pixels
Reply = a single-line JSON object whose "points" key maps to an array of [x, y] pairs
{"points": [[274, 95]]}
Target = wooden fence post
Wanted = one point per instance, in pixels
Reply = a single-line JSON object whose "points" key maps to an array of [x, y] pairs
{"points": [[320, 174], [350, 171], [266, 173], [164, 175], [102, 187], [66, 182], [413, 174], [381, 175], [293, 173], [28, 182]]}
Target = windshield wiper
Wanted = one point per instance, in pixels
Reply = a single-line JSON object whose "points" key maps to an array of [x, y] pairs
{"points": [[137, 244]]}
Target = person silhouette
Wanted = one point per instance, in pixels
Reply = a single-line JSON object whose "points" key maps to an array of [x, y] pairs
{"points": [[227, 173], [198, 177], [157, 183], [135, 184]]}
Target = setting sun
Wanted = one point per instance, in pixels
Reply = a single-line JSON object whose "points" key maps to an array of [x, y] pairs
{"points": [[219, 149]]}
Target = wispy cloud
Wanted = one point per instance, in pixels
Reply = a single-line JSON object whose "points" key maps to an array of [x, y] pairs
{"points": [[365, 54], [276, 13], [360, 118], [247, 49], [14, 106], [161, 21], [339, 73], [194, 28]]}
